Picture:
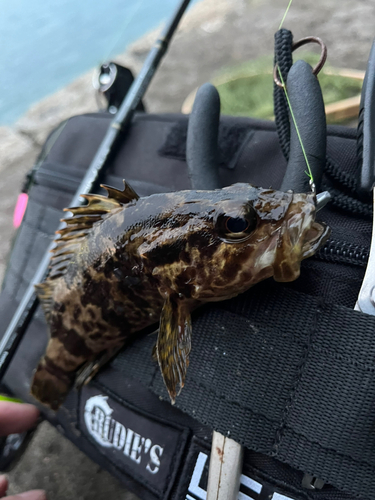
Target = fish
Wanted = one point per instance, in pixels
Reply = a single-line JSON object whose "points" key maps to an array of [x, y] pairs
{"points": [[123, 263]]}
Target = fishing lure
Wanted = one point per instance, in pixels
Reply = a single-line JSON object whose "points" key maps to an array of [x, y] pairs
{"points": [[124, 263]]}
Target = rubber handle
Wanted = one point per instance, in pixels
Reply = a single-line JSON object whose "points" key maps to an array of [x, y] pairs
{"points": [[306, 101], [202, 139], [366, 130]]}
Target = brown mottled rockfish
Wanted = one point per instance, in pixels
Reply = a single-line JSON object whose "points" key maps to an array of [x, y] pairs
{"points": [[123, 263]]}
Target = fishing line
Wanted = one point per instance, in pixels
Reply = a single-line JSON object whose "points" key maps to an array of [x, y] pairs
{"points": [[100, 101], [286, 12], [308, 172], [129, 18]]}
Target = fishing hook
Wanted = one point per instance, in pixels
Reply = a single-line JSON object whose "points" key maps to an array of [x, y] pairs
{"points": [[297, 45]]}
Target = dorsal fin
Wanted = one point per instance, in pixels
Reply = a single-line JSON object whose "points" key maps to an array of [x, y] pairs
{"points": [[79, 225], [125, 196]]}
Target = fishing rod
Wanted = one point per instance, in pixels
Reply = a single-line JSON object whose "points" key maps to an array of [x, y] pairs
{"points": [[115, 133]]}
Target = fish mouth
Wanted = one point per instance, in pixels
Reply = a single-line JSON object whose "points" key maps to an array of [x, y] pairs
{"points": [[314, 239], [293, 247]]}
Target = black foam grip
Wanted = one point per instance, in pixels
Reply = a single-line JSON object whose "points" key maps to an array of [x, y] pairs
{"points": [[202, 136], [306, 100]]}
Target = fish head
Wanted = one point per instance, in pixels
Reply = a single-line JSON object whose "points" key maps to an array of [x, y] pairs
{"points": [[233, 238]]}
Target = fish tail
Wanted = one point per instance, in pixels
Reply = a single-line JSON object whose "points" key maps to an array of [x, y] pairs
{"points": [[51, 383]]}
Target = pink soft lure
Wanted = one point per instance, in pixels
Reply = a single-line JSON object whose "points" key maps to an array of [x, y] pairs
{"points": [[19, 210]]}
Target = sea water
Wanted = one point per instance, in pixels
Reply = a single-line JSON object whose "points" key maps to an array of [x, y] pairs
{"points": [[44, 45]]}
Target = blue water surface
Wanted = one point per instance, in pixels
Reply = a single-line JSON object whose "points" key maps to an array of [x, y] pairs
{"points": [[44, 45]]}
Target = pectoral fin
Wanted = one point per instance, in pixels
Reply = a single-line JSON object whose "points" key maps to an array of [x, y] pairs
{"points": [[174, 344]]}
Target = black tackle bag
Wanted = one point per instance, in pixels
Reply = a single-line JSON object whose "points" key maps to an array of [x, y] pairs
{"points": [[287, 370]]}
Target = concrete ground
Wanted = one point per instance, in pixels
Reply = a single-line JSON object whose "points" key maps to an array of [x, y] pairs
{"points": [[214, 34]]}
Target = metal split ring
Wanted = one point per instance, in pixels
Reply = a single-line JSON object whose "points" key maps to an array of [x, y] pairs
{"points": [[297, 45]]}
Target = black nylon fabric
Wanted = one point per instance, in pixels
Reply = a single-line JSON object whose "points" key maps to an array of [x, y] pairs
{"points": [[285, 369], [270, 403], [286, 479]]}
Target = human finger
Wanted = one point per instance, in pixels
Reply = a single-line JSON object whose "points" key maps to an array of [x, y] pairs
{"points": [[3, 486], [17, 417], [29, 495]]}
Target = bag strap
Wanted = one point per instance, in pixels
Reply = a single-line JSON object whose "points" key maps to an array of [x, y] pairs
{"points": [[289, 376]]}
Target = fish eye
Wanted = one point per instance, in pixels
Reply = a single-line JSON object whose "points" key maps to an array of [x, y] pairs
{"points": [[236, 224], [237, 228]]}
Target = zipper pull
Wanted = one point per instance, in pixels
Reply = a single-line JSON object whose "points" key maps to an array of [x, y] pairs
{"points": [[311, 482]]}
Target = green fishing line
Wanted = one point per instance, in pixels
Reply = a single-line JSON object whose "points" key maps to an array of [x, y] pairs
{"points": [[286, 12], [308, 172], [8, 398]]}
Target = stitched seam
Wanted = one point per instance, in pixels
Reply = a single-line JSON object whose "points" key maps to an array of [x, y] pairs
{"points": [[299, 373], [331, 450], [220, 397], [295, 433]]}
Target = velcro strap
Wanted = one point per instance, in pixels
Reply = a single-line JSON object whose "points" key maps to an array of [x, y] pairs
{"points": [[284, 374]]}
